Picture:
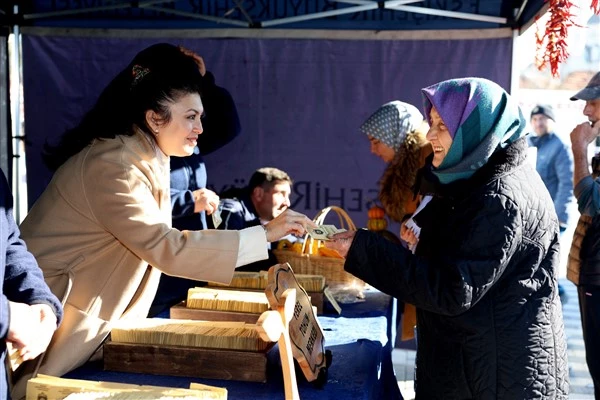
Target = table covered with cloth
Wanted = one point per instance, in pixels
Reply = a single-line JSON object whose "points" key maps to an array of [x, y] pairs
{"points": [[360, 340]]}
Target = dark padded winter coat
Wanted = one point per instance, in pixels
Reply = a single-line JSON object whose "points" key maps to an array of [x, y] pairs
{"points": [[484, 281]]}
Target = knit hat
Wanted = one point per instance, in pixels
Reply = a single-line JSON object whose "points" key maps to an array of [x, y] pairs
{"points": [[392, 122], [591, 91], [481, 119], [543, 109]]}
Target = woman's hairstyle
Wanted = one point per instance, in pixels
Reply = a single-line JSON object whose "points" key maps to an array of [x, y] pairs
{"points": [[157, 76], [397, 184]]}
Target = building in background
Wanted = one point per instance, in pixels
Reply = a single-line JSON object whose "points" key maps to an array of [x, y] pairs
{"points": [[537, 86]]}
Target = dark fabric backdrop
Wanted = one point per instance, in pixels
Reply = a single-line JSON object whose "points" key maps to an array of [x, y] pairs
{"points": [[301, 102]]}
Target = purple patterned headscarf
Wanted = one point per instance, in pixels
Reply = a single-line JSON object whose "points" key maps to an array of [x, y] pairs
{"points": [[481, 118]]}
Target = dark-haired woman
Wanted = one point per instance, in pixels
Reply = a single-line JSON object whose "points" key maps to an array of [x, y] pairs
{"points": [[101, 231]]}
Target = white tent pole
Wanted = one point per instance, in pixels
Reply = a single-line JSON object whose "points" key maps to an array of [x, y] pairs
{"points": [[240, 6], [318, 15], [385, 3], [51, 14], [514, 73], [399, 5], [19, 183], [197, 16], [451, 14], [364, 6]]}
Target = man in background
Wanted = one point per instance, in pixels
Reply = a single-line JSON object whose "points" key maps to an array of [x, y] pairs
{"points": [[554, 163], [265, 197]]}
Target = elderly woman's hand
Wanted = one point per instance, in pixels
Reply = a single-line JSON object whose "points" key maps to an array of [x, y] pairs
{"points": [[408, 235], [288, 222], [341, 242]]}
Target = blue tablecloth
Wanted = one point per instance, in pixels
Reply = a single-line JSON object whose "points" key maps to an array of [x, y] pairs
{"points": [[360, 341]]}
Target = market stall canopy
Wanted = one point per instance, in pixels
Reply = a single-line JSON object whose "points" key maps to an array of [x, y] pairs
{"points": [[264, 14], [304, 74]]}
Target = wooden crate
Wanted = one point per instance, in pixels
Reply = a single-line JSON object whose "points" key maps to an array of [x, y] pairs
{"points": [[180, 311], [186, 361], [316, 298]]}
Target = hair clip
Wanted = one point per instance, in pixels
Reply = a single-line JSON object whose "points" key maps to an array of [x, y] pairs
{"points": [[138, 72]]}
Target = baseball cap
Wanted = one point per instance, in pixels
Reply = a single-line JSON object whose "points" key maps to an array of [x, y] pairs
{"points": [[590, 91]]}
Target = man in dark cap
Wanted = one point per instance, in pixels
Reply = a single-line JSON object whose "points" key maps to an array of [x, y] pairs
{"points": [[554, 161], [583, 267]]}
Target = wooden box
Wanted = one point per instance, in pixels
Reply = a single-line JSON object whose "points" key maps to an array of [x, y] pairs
{"points": [[186, 361], [316, 298], [180, 311]]}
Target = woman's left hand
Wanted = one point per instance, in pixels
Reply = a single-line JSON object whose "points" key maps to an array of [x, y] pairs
{"points": [[205, 200], [341, 242], [288, 222]]}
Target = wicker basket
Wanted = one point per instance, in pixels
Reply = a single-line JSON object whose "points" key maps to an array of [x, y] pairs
{"points": [[330, 267]]}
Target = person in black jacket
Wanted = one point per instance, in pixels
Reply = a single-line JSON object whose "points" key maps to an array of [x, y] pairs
{"points": [[484, 275], [191, 201], [29, 312]]}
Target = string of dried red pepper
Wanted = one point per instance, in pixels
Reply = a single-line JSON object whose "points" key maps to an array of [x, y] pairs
{"points": [[552, 42]]}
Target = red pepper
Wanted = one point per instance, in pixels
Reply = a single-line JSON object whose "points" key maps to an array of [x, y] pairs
{"points": [[551, 44]]}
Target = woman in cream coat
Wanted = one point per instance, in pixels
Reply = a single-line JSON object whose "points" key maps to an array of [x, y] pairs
{"points": [[101, 231]]}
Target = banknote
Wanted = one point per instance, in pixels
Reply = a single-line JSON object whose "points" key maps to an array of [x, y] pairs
{"points": [[323, 232], [216, 217]]}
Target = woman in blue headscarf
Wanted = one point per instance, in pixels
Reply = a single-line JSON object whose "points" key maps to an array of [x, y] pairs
{"points": [[484, 275]]}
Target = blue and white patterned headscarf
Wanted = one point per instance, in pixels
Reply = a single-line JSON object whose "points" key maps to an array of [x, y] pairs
{"points": [[392, 122]]}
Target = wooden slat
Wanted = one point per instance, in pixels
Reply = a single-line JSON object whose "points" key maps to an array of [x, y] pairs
{"points": [[316, 298], [180, 311]]}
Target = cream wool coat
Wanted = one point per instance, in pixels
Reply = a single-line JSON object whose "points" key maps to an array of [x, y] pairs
{"points": [[103, 219]]}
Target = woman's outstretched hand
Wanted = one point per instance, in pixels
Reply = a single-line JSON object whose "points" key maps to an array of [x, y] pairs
{"points": [[288, 222], [341, 242]]}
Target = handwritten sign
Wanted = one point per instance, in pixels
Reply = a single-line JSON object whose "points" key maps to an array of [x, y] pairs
{"points": [[308, 342]]}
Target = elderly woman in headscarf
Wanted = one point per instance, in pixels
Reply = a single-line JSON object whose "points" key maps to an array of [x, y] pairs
{"points": [[396, 132], [484, 275]]}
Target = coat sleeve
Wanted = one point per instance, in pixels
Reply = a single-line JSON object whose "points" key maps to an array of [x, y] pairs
{"points": [[221, 122], [587, 193], [182, 196], [232, 215], [182, 203], [23, 279], [121, 200], [449, 283]]}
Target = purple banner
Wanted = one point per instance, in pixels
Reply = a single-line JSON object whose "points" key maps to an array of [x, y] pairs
{"points": [[301, 102]]}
